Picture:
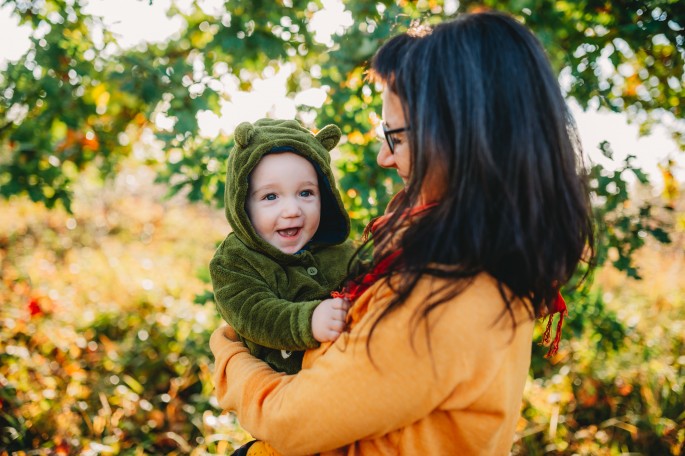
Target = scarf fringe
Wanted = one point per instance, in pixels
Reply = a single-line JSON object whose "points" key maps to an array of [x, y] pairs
{"points": [[559, 307]]}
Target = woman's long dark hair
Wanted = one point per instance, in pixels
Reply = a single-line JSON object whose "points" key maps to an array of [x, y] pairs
{"points": [[484, 106]]}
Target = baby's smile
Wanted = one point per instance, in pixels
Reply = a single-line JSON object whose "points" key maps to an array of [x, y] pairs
{"points": [[289, 232]]}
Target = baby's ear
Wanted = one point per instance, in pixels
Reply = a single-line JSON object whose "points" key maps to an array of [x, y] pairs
{"points": [[243, 134], [329, 136]]}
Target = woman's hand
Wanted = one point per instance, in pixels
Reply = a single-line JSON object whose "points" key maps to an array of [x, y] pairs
{"points": [[328, 320]]}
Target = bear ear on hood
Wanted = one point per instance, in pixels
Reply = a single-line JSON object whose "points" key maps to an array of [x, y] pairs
{"points": [[243, 134], [329, 136]]}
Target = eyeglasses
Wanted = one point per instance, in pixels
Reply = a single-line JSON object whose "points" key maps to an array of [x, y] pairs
{"points": [[387, 134]]}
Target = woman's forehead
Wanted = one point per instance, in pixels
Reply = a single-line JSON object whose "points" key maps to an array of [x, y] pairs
{"points": [[393, 114]]}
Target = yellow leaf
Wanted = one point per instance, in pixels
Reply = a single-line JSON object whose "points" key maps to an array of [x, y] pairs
{"points": [[671, 187], [133, 384], [356, 138]]}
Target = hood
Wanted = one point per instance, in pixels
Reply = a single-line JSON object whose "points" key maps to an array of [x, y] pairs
{"points": [[252, 142]]}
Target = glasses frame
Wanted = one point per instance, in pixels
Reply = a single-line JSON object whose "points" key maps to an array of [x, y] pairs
{"points": [[388, 135]]}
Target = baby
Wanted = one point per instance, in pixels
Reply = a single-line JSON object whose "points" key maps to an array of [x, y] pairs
{"points": [[273, 275]]}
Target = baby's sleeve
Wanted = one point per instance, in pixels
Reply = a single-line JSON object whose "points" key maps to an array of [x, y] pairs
{"points": [[253, 309]]}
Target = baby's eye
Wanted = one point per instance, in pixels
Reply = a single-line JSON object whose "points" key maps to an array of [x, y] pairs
{"points": [[306, 193], [269, 197]]}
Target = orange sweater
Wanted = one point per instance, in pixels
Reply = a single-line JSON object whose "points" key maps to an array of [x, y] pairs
{"points": [[451, 385]]}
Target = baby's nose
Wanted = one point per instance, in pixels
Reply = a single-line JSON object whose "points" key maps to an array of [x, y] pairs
{"points": [[291, 208]]}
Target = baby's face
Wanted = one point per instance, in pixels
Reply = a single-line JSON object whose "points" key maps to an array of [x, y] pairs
{"points": [[283, 201]]}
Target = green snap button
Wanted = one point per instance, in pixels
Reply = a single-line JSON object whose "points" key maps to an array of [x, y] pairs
{"points": [[312, 270]]}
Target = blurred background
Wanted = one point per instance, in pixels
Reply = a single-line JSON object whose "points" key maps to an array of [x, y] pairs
{"points": [[115, 123]]}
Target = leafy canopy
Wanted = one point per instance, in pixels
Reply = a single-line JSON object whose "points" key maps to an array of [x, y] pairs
{"points": [[77, 99]]}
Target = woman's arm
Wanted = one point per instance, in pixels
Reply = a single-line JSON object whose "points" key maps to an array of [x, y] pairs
{"points": [[346, 395], [341, 399]]}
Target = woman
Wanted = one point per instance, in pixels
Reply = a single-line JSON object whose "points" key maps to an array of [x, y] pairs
{"points": [[494, 218]]}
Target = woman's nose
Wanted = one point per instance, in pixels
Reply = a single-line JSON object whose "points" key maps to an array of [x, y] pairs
{"points": [[385, 158]]}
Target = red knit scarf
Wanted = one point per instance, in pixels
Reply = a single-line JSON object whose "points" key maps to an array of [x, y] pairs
{"points": [[558, 306], [357, 287]]}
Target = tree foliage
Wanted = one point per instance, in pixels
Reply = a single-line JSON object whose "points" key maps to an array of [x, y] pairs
{"points": [[73, 100]]}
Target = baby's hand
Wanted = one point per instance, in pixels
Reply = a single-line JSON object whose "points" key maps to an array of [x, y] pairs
{"points": [[328, 320]]}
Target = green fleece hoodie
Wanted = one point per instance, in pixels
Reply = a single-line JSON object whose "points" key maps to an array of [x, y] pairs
{"points": [[266, 295]]}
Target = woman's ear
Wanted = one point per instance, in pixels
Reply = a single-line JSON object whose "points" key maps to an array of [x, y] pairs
{"points": [[243, 134], [329, 136]]}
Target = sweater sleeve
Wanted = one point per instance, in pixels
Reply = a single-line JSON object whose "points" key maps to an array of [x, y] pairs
{"points": [[351, 393], [247, 303]]}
